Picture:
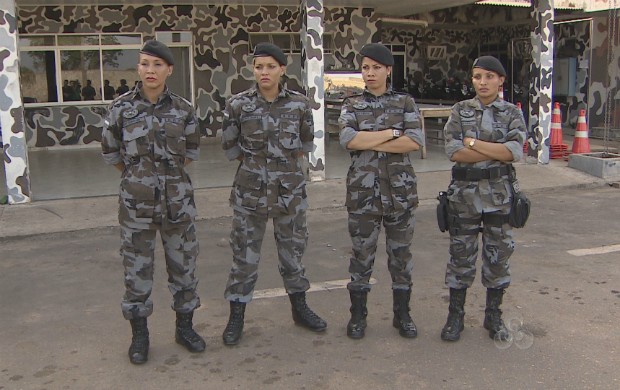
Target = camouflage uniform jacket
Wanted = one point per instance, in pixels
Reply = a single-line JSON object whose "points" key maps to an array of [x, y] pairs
{"points": [[270, 180], [503, 123], [380, 182], [152, 140]]}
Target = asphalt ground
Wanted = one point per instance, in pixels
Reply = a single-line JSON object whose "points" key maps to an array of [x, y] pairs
{"points": [[61, 326]]}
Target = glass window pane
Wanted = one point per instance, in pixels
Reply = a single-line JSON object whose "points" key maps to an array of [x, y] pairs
{"points": [[78, 40], [283, 41], [119, 71], [41, 40], [122, 39], [38, 76], [179, 81], [174, 37], [257, 38], [77, 67]]}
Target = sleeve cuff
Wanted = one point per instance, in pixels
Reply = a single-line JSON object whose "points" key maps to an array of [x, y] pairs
{"points": [[112, 158]]}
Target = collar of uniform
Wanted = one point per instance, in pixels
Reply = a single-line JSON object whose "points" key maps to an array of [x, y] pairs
{"points": [[389, 91], [137, 93], [283, 91], [497, 103]]}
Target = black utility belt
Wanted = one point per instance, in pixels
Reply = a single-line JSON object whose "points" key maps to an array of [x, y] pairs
{"points": [[475, 174]]}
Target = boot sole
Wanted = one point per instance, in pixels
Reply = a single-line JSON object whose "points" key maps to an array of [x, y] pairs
{"points": [[233, 342], [316, 330]]}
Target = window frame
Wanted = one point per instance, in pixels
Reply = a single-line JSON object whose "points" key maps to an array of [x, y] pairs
{"points": [[57, 49]]}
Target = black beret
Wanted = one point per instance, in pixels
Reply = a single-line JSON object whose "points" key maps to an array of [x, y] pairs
{"points": [[265, 49], [379, 53], [490, 63], [157, 49]]}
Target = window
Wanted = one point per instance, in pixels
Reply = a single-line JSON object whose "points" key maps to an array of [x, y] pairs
{"points": [[181, 81], [77, 67]]}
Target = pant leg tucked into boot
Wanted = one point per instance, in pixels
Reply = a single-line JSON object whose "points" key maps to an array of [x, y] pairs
{"points": [[493, 315], [185, 334], [357, 324], [303, 315], [139, 348], [456, 315], [402, 319], [234, 328]]}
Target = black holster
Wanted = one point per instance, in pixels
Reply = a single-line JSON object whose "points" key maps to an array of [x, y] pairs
{"points": [[520, 204], [442, 212]]}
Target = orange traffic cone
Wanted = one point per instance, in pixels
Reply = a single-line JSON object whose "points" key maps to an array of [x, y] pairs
{"points": [[581, 144], [556, 125]]}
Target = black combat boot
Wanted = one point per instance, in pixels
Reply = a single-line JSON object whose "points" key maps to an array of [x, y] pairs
{"points": [[303, 315], [357, 323], [234, 328], [402, 320], [139, 348], [455, 322], [493, 315], [185, 334]]}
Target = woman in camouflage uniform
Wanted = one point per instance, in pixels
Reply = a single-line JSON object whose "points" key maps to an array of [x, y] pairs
{"points": [[151, 135], [269, 129], [484, 135], [380, 127]]}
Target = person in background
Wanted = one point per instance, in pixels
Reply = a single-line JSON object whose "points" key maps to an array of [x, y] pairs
{"points": [[123, 88], [151, 135], [108, 90], [379, 127], [88, 92]]}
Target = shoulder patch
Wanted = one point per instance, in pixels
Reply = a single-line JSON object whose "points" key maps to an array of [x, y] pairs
{"points": [[360, 105], [250, 107], [467, 113], [131, 113]]}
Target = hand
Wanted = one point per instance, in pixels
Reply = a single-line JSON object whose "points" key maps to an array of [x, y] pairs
{"points": [[466, 141]]}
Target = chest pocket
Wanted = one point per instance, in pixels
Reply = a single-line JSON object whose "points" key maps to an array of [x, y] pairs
{"points": [[136, 138], [498, 134], [252, 134], [394, 118], [175, 138], [365, 120], [289, 134]]}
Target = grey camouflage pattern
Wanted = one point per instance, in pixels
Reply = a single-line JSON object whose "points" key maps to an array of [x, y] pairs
{"points": [[13, 129], [270, 180], [152, 141], [269, 183], [312, 69], [379, 182], [381, 187], [541, 73], [138, 253], [469, 201], [221, 55], [246, 238]]}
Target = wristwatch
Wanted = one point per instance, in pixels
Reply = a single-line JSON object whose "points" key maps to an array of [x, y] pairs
{"points": [[396, 133], [471, 143]]}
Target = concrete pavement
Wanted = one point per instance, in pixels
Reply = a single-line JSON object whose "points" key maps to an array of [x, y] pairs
{"points": [[95, 212], [61, 284]]}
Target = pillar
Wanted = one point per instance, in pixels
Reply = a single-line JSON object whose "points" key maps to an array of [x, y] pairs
{"points": [[312, 69], [541, 72], [14, 149]]}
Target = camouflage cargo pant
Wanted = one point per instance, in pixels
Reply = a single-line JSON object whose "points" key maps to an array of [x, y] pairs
{"points": [[364, 230], [497, 247], [246, 239], [138, 252]]}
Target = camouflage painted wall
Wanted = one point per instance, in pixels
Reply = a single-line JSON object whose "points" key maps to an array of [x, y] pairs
{"points": [[573, 40], [604, 69], [12, 127], [221, 52], [500, 26]]}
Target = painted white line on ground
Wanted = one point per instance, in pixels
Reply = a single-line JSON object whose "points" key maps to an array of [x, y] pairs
{"points": [[595, 251], [322, 286]]}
